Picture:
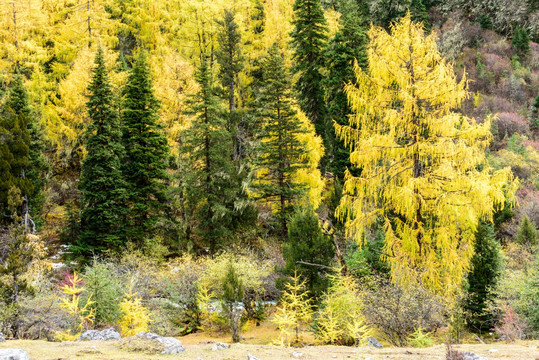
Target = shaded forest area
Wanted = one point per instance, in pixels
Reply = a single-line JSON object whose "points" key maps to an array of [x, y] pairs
{"points": [[163, 161]]}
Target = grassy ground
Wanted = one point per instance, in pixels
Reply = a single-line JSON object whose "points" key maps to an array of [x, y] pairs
{"points": [[257, 341], [99, 350]]}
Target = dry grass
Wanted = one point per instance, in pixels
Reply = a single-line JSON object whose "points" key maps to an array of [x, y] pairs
{"points": [[101, 350]]}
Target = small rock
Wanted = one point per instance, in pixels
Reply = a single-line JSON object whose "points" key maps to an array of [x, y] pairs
{"points": [[13, 354], [493, 350], [373, 342], [472, 356], [165, 340], [297, 354], [2, 337], [107, 334], [333, 356], [176, 349], [251, 357], [219, 346]]}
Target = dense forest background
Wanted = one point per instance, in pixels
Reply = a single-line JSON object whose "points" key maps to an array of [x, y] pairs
{"points": [[135, 144]]}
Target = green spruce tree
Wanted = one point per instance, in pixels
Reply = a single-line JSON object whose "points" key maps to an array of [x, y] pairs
{"points": [[103, 189], [14, 153], [280, 151], [209, 181], [521, 41], [309, 39], [347, 46], [527, 232], [486, 268], [308, 251], [37, 166], [146, 154]]}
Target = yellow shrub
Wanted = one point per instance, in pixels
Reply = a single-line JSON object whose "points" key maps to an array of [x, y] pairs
{"points": [[135, 316], [80, 316]]}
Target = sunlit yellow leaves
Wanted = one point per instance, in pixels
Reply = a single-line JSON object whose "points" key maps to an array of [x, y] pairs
{"points": [[423, 166]]}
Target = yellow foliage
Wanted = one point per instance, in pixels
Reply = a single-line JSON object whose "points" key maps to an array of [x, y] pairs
{"points": [[80, 316], [135, 317], [423, 168], [295, 310], [341, 319]]}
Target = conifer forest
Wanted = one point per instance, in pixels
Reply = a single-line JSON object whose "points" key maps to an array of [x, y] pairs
{"points": [[297, 172]]}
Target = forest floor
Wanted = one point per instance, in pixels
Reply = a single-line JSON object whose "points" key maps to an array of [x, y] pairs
{"points": [[257, 341]]}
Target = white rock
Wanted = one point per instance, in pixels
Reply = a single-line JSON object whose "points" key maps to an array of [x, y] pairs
{"points": [[107, 334], [251, 357], [13, 354], [176, 349], [165, 340], [219, 346], [297, 354]]}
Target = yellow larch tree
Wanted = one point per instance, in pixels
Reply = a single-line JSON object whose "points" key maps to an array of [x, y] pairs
{"points": [[423, 167]]}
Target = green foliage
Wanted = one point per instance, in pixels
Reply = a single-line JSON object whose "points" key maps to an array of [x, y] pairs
{"points": [[306, 243], [231, 296], [104, 286], [347, 45], [527, 233], [521, 41], [146, 153], [529, 303], [486, 265], [367, 260], [102, 186], [309, 40], [420, 339], [209, 174], [281, 152], [37, 164]]}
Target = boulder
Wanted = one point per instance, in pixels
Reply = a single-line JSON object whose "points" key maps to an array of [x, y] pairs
{"points": [[2, 337], [373, 342], [165, 340], [472, 356], [13, 354], [176, 349], [107, 334], [219, 346]]}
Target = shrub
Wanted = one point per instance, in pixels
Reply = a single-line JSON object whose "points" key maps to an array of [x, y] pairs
{"points": [[340, 318], [397, 312], [511, 123], [135, 317], [105, 288], [511, 326], [420, 339], [527, 233], [81, 316]]}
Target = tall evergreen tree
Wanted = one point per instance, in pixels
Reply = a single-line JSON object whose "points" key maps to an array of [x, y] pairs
{"points": [[348, 45], [281, 153], [146, 153], [14, 152], [102, 186], [209, 186], [309, 39], [37, 165], [486, 267]]}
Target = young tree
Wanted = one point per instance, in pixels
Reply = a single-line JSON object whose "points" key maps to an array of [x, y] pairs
{"points": [[308, 42], [421, 164], [232, 295], [103, 189], [295, 310], [486, 266], [527, 232], [307, 251], [521, 41], [209, 185], [348, 45], [146, 153], [280, 151]]}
